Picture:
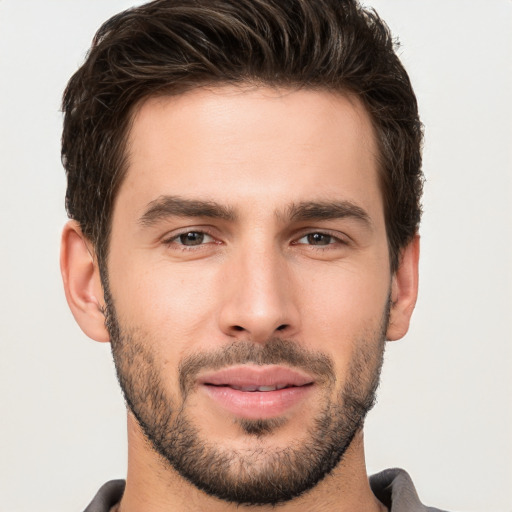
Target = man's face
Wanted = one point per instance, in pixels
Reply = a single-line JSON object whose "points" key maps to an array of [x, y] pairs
{"points": [[249, 284]]}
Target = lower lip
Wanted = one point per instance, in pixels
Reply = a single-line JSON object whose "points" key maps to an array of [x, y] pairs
{"points": [[257, 404]]}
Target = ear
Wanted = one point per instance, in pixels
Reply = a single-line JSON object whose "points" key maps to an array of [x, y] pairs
{"points": [[404, 290], [82, 283]]}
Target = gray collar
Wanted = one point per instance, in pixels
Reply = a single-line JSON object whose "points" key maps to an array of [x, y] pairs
{"points": [[394, 489]]}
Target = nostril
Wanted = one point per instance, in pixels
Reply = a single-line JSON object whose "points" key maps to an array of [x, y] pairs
{"points": [[282, 327], [238, 328]]}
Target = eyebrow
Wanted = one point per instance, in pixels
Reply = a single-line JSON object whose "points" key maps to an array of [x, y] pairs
{"points": [[330, 210], [173, 206]]}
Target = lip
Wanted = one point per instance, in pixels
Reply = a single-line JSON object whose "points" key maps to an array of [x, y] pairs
{"points": [[238, 391]]}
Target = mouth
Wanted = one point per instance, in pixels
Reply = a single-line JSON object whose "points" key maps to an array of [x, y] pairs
{"points": [[252, 388], [256, 392]]}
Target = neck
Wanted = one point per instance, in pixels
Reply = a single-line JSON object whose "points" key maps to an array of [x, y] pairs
{"points": [[153, 486]]}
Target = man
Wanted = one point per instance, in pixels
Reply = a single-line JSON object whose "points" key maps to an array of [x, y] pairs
{"points": [[244, 179]]}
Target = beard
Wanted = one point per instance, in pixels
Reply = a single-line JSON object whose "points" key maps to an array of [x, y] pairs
{"points": [[261, 474]]}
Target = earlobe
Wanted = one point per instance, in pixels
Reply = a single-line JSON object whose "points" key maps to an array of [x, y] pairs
{"points": [[404, 290], [82, 283]]}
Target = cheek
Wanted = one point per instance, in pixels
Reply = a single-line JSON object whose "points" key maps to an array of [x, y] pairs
{"points": [[345, 308], [170, 303]]}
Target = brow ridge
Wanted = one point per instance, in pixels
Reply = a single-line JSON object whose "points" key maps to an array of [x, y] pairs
{"points": [[174, 206], [327, 210]]}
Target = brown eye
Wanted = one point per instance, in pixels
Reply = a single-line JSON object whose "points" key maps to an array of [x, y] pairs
{"points": [[318, 239], [192, 238]]}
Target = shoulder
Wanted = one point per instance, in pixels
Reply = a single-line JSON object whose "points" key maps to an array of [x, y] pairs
{"points": [[395, 489], [108, 495]]}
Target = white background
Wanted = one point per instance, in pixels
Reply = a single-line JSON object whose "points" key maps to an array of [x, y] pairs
{"points": [[445, 404]]}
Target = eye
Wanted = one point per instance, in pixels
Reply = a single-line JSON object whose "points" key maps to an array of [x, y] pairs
{"points": [[191, 239], [318, 239]]}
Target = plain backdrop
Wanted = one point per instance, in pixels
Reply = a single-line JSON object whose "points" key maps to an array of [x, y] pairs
{"points": [[445, 402]]}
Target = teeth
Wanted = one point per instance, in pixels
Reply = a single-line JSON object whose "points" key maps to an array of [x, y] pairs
{"points": [[259, 388]]}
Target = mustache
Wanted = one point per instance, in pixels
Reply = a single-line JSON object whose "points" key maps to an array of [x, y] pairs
{"points": [[274, 351]]}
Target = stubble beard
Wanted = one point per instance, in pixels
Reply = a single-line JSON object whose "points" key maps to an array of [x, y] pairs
{"points": [[260, 475]]}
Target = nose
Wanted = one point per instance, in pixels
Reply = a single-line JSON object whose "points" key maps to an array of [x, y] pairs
{"points": [[259, 297]]}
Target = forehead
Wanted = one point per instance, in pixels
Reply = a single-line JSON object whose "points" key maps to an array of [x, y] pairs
{"points": [[252, 145]]}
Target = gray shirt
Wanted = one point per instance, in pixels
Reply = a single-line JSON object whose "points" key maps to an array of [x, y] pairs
{"points": [[393, 487]]}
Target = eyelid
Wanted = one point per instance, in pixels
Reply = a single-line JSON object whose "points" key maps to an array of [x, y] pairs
{"points": [[170, 238], [338, 237]]}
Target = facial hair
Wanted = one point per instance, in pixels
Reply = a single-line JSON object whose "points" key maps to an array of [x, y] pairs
{"points": [[259, 475]]}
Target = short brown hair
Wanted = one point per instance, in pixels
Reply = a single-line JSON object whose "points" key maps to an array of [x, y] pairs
{"points": [[171, 46]]}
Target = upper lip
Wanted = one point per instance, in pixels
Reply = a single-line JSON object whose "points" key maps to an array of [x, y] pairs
{"points": [[251, 377]]}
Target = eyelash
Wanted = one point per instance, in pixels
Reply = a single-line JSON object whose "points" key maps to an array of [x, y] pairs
{"points": [[174, 240], [336, 240]]}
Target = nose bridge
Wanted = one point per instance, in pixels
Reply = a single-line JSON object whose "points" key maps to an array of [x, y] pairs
{"points": [[259, 299]]}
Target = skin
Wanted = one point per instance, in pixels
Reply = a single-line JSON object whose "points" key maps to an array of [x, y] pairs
{"points": [[256, 152]]}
